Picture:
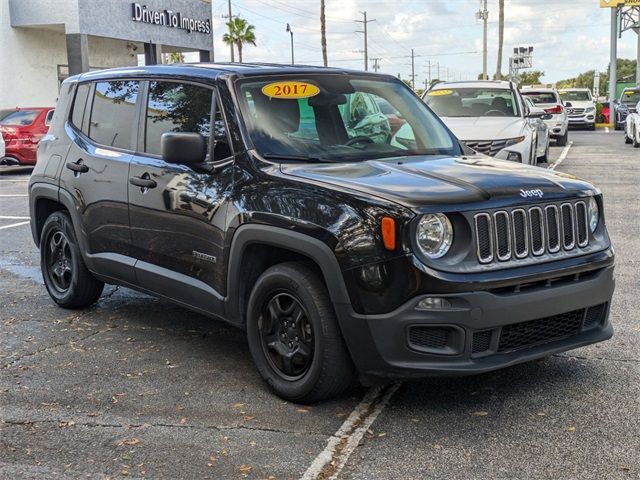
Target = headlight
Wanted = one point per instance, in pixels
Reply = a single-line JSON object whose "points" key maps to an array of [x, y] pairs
{"points": [[590, 109], [513, 141], [594, 214], [434, 235]]}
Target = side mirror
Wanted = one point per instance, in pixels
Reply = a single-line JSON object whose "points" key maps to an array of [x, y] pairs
{"points": [[536, 112], [183, 148], [568, 104]]}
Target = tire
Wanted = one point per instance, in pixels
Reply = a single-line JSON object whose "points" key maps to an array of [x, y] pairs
{"points": [[287, 291], [563, 140], [627, 140], [68, 281], [636, 144], [592, 127]]}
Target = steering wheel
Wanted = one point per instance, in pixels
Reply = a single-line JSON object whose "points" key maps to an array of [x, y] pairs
{"points": [[358, 139], [494, 113]]}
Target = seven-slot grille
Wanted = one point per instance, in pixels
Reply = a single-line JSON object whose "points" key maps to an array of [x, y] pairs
{"points": [[576, 112], [531, 231], [486, 147]]}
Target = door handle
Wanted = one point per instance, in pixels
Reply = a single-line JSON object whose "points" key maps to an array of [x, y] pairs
{"points": [[77, 167], [143, 182]]}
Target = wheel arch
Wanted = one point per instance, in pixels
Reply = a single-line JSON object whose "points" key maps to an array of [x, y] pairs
{"points": [[251, 242]]}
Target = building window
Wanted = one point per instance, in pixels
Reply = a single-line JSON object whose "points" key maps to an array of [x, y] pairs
{"points": [[176, 107], [113, 113]]}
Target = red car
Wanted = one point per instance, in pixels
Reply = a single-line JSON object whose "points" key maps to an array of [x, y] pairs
{"points": [[22, 129]]}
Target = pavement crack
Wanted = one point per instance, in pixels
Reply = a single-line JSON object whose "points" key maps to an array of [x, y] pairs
{"points": [[67, 423], [604, 359], [52, 347]]}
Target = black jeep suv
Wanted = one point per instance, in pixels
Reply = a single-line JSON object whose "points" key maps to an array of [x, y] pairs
{"points": [[277, 199]]}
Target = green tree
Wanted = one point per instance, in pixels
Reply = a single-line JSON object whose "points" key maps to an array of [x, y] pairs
{"points": [[532, 77], [240, 32]]}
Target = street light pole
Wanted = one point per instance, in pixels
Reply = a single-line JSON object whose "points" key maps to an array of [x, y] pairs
{"points": [[230, 20], [290, 30]]}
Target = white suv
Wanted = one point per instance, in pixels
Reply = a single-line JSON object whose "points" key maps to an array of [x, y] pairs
{"points": [[491, 117], [580, 107], [549, 100]]}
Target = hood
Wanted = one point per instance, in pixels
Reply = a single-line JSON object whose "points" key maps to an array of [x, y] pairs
{"points": [[422, 181], [485, 128]]}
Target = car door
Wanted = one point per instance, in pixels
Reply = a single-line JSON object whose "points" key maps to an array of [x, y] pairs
{"points": [[177, 213], [96, 171]]}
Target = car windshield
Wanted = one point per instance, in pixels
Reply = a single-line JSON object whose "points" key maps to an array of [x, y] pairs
{"points": [[17, 117], [337, 118], [630, 97], [473, 102], [579, 96], [541, 97]]}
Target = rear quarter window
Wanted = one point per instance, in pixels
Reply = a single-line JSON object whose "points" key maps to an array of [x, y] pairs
{"points": [[79, 104]]}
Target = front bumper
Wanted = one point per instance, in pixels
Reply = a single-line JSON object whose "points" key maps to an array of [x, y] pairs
{"points": [[384, 345], [584, 120]]}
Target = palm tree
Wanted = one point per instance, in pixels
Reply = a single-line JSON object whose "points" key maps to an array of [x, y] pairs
{"points": [[498, 75], [323, 33], [240, 32]]}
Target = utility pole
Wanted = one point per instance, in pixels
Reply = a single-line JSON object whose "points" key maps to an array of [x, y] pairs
{"points": [[290, 30], [230, 19], [438, 77], [483, 14], [364, 31], [413, 70], [323, 33], [376, 65], [429, 76]]}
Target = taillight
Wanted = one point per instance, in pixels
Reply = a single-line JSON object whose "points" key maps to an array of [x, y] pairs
{"points": [[557, 110]]}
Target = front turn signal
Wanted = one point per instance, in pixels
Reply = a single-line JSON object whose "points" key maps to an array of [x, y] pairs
{"points": [[389, 233]]}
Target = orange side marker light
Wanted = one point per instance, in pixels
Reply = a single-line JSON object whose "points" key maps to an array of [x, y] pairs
{"points": [[389, 233]]}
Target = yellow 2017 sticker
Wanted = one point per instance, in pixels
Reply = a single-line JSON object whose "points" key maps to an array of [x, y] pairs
{"points": [[290, 90], [439, 93]]}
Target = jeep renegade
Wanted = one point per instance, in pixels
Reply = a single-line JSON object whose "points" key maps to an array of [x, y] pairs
{"points": [[278, 199]]}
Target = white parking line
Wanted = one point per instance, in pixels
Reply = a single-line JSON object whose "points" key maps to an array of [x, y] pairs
{"points": [[13, 225], [16, 195], [14, 180], [330, 462], [10, 217], [562, 156]]}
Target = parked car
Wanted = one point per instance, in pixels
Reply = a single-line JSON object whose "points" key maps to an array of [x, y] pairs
{"points": [[339, 254], [491, 117], [605, 113], [626, 105], [22, 129], [632, 127], [580, 107], [549, 100], [544, 137]]}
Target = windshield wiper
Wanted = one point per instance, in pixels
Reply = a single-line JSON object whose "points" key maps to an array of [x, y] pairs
{"points": [[295, 158]]}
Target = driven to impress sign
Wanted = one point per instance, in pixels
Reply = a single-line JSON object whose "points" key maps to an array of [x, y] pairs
{"points": [[169, 18], [616, 3]]}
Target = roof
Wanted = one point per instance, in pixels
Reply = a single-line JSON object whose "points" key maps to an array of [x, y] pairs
{"points": [[473, 84], [213, 70]]}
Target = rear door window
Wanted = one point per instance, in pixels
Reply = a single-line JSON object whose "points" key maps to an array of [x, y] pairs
{"points": [[113, 112], [177, 107]]}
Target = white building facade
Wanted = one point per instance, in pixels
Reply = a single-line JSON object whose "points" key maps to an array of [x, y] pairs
{"points": [[44, 41]]}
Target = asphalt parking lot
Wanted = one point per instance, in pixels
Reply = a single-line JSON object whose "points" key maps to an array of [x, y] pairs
{"points": [[141, 388]]}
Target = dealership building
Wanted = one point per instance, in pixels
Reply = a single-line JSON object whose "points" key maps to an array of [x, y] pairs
{"points": [[42, 42]]}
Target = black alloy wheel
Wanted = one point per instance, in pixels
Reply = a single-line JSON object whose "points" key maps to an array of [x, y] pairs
{"points": [[287, 336], [58, 261]]}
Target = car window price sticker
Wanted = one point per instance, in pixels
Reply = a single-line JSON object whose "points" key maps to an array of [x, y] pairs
{"points": [[290, 90]]}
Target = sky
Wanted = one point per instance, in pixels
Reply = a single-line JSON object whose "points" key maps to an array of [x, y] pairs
{"points": [[568, 36]]}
